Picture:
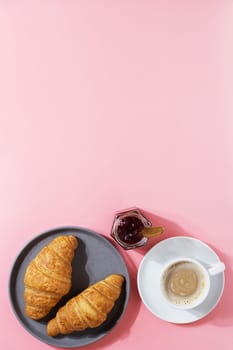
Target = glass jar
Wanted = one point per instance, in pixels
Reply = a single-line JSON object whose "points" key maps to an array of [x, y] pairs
{"points": [[127, 227]]}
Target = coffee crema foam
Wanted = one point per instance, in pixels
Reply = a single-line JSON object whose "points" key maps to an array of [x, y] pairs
{"points": [[183, 283]]}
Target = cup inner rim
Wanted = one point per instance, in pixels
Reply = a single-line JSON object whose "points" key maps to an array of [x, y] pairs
{"points": [[203, 294]]}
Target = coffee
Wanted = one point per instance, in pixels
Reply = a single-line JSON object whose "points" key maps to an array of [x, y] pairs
{"points": [[183, 283]]}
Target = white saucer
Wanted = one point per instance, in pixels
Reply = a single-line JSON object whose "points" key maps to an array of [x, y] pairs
{"points": [[150, 270]]}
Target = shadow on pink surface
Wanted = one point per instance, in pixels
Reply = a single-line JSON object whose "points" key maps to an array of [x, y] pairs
{"points": [[171, 229]]}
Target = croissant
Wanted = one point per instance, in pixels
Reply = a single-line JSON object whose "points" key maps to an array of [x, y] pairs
{"points": [[90, 308], [48, 276]]}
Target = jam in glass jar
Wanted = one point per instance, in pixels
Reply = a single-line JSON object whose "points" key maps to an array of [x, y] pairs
{"points": [[127, 228]]}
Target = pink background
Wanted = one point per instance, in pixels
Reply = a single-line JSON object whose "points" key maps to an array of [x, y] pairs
{"points": [[109, 104]]}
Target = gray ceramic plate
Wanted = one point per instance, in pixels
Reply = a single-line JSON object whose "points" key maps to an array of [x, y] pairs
{"points": [[95, 258]]}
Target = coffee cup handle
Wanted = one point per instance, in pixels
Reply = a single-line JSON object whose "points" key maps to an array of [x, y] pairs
{"points": [[216, 268]]}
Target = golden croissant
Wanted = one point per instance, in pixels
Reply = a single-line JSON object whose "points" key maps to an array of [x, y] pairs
{"points": [[48, 276], [90, 308]]}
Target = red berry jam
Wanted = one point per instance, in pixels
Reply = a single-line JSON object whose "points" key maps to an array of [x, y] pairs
{"points": [[127, 228]]}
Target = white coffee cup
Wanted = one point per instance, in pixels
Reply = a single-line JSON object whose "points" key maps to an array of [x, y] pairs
{"points": [[185, 283]]}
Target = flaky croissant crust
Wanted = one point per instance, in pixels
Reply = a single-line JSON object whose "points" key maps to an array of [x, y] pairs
{"points": [[90, 308], [48, 276]]}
